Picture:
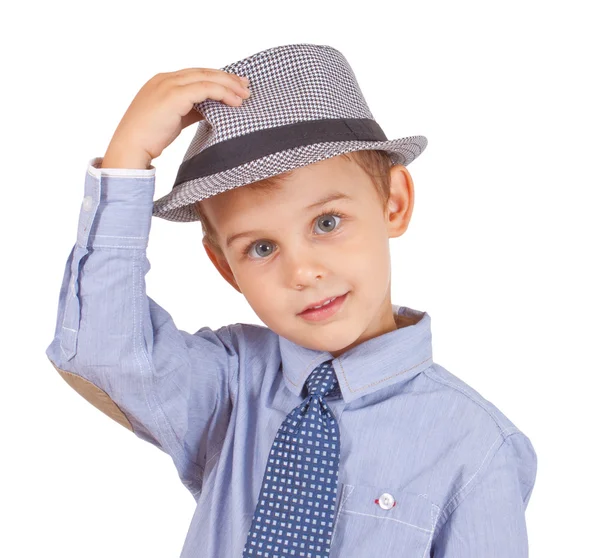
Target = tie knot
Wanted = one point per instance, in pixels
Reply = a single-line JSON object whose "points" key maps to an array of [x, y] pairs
{"points": [[322, 380]]}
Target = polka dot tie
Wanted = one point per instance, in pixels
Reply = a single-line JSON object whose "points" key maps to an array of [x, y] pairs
{"points": [[294, 513]]}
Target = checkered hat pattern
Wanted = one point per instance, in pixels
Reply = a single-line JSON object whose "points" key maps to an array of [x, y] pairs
{"points": [[305, 106]]}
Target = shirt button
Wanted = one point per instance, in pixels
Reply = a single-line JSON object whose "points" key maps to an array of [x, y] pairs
{"points": [[88, 203], [386, 501]]}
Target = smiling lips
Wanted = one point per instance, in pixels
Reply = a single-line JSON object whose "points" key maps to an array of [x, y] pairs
{"points": [[319, 304], [326, 309]]}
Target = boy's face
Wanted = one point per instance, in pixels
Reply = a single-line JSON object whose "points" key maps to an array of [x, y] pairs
{"points": [[298, 258]]}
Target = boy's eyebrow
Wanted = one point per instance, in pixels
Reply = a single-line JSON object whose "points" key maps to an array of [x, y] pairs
{"points": [[329, 197], [322, 201]]}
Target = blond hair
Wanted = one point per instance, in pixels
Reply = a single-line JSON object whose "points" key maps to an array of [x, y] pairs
{"points": [[376, 163]]}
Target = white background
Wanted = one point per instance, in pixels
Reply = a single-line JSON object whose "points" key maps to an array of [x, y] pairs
{"points": [[502, 249]]}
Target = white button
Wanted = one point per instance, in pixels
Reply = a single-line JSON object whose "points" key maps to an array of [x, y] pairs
{"points": [[88, 203], [386, 501]]}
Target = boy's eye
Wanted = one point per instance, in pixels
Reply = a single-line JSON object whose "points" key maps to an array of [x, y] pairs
{"points": [[263, 248], [324, 221]]}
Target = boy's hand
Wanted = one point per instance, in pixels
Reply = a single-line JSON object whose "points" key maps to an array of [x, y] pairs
{"points": [[162, 108]]}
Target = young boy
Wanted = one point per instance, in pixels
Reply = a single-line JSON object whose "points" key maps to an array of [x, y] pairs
{"points": [[330, 432]]}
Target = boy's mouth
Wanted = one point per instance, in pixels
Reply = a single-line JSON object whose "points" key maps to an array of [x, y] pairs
{"points": [[326, 308]]}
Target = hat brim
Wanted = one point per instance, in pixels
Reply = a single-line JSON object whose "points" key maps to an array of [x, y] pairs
{"points": [[177, 204]]}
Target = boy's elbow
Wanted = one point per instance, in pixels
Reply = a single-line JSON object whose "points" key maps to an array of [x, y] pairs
{"points": [[94, 395]]}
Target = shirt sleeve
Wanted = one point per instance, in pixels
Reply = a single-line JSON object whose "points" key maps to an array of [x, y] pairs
{"points": [[490, 519], [122, 351]]}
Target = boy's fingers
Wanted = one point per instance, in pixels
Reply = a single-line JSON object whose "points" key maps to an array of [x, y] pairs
{"points": [[188, 75], [198, 91]]}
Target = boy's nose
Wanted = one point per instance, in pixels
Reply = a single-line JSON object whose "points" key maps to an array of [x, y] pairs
{"points": [[304, 267]]}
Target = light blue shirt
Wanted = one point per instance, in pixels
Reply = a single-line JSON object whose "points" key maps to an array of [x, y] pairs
{"points": [[428, 467]]}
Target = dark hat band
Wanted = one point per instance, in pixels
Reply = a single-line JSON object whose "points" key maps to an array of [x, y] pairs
{"points": [[249, 147]]}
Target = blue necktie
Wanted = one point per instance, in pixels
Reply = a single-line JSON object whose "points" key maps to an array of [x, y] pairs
{"points": [[294, 513]]}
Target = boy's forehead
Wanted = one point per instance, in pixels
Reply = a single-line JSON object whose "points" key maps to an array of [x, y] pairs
{"points": [[299, 185]]}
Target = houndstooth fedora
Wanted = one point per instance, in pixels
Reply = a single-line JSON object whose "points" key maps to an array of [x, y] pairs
{"points": [[305, 106]]}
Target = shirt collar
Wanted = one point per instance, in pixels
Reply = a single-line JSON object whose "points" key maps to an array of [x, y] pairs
{"points": [[395, 356]]}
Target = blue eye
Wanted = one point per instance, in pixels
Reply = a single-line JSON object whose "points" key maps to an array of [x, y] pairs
{"points": [[329, 214], [261, 244]]}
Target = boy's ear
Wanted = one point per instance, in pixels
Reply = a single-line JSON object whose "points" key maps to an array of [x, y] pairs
{"points": [[401, 200], [220, 262]]}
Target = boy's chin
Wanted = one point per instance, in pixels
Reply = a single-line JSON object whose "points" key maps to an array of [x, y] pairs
{"points": [[321, 340]]}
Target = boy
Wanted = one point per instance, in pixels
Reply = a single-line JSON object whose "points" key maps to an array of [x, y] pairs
{"points": [[330, 432]]}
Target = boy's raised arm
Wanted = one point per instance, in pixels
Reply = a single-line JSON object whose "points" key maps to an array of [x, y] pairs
{"points": [[115, 345], [119, 349]]}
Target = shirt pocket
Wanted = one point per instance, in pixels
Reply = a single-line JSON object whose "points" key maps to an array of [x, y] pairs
{"points": [[382, 521]]}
